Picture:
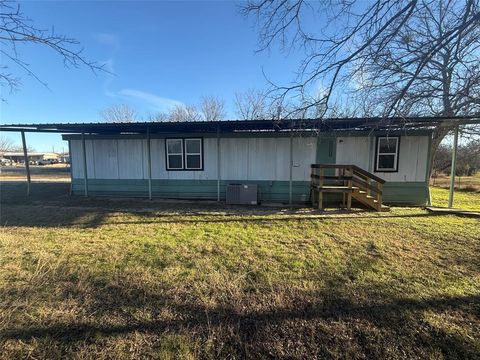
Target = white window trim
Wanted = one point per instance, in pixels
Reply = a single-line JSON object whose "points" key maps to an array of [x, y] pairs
{"points": [[192, 153], [179, 153], [395, 154]]}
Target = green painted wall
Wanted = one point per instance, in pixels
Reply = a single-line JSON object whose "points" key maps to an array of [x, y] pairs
{"points": [[190, 189], [405, 193], [411, 193]]}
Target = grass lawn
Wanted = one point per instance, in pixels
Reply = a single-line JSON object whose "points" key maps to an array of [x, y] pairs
{"points": [[18, 172], [98, 278], [462, 199]]}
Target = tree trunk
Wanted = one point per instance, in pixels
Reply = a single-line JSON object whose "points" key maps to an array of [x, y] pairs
{"points": [[437, 137], [441, 131]]}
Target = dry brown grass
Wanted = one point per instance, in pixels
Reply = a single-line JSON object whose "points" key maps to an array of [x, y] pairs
{"points": [[466, 183], [97, 279]]}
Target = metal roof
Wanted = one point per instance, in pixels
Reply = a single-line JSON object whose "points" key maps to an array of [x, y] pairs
{"points": [[328, 124]]}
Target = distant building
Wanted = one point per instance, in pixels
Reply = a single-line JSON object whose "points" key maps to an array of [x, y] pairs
{"points": [[33, 156], [64, 158]]}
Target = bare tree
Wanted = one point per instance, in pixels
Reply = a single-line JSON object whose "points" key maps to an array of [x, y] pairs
{"points": [[6, 144], [448, 85], [416, 56], [184, 113], [361, 32], [119, 113], [468, 158], [16, 28], [158, 117], [212, 108], [251, 105]]}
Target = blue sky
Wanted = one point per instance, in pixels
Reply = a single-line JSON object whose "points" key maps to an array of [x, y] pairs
{"points": [[161, 53]]}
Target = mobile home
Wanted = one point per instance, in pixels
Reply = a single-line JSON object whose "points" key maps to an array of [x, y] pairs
{"points": [[198, 160]]}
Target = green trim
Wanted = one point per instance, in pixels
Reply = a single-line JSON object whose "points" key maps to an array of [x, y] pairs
{"points": [[405, 193], [192, 189]]}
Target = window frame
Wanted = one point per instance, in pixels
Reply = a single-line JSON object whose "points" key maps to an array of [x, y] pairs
{"points": [[396, 154], [167, 162], [184, 154], [185, 140]]}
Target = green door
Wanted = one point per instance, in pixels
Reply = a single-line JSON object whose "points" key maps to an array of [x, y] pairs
{"points": [[326, 149]]}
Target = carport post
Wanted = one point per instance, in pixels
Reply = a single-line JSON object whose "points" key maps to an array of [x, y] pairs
{"points": [[453, 168], [27, 165], [149, 159], [290, 180], [70, 163], [218, 163], [85, 174]]}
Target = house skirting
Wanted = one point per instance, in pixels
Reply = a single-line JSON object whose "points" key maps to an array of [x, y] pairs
{"points": [[406, 193]]}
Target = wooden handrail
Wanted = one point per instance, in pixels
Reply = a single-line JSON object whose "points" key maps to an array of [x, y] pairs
{"points": [[350, 180], [330, 166], [368, 187], [332, 177], [368, 174], [354, 167]]}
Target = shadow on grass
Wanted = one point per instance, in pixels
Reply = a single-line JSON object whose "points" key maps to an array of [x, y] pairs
{"points": [[52, 208], [50, 205], [40, 216], [311, 325]]}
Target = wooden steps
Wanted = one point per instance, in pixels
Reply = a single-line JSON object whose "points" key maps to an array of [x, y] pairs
{"points": [[349, 180], [370, 201]]}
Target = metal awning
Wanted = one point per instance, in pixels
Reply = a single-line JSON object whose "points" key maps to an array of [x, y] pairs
{"points": [[230, 126], [238, 126]]}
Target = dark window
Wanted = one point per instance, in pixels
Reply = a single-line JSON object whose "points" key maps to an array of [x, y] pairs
{"points": [[174, 154], [184, 154], [193, 162], [193, 153], [387, 154]]}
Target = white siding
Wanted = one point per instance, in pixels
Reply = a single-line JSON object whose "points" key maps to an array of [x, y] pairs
{"points": [[77, 158], [234, 156], [90, 151], [282, 158], [412, 163], [130, 159], [106, 159], [266, 158], [240, 159], [261, 164], [304, 154], [353, 151]]}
